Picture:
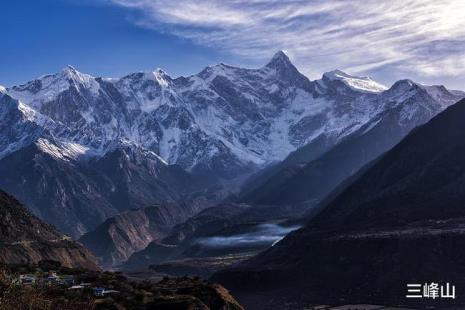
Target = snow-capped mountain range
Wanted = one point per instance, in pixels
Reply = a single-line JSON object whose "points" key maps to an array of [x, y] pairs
{"points": [[224, 119], [76, 140]]}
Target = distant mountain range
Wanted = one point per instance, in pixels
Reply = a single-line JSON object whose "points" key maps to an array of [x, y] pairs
{"points": [[401, 220], [78, 149]]}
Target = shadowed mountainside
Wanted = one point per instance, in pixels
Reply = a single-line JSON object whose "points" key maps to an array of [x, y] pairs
{"points": [[24, 239], [402, 221]]}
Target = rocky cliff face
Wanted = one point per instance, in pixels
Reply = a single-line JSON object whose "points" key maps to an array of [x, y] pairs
{"points": [[26, 239], [116, 239]]}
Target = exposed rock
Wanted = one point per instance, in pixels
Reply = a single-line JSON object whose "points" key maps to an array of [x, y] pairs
{"points": [[115, 240]]}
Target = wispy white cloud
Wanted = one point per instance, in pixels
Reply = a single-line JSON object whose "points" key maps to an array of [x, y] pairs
{"points": [[422, 36]]}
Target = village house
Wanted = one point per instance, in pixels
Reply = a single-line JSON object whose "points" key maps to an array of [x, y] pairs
{"points": [[27, 279]]}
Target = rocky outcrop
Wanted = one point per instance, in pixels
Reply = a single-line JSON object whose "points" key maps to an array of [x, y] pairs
{"points": [[116, 239]]}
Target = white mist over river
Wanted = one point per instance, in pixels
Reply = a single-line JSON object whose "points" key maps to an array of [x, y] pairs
{"points": [[262, 235]]}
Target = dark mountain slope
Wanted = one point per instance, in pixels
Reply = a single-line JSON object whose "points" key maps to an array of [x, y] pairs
{"points": [[402, 221], [257, 187], [64, 191], [136, 178], [422, 178], [56, 190], [26, 239]]}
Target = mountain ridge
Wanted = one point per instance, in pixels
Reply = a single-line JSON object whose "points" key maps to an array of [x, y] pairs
{"points": [[146, 92]]}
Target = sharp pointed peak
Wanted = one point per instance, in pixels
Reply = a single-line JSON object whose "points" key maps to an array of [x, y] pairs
{"points": [[71, 73], [160, 70], [69, 69], [161, 73], [161, 77], [281, 54], [279, 58]]}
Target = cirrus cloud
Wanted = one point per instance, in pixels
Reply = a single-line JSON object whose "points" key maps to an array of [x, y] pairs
{"points": [[421, 36]]}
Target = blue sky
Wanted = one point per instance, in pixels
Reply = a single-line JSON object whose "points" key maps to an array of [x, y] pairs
{"points": [[419, 39], [43, 36]]}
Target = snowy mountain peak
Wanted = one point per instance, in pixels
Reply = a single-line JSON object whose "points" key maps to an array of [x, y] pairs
{"points": [[339, 75], [69, 69], [358, 83], [279, 59], [2, 89], [160, 71], [280, 55], [282, 69], [210, 72], [161, 77], [404, 85], [232, 117], [69, 72], [47, 88]]}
